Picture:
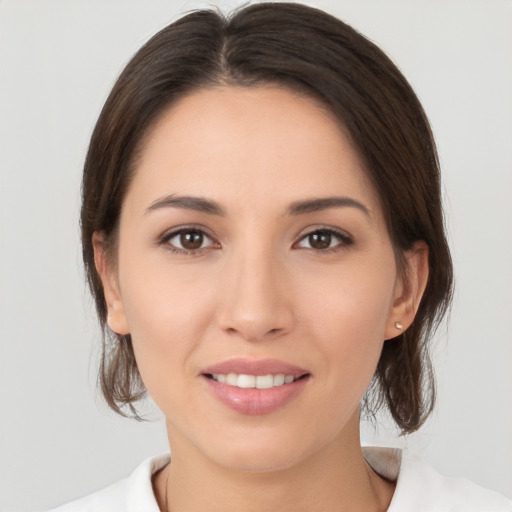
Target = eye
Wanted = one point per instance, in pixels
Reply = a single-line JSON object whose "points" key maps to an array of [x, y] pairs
{"points": [[324, 240], [188, 240]]}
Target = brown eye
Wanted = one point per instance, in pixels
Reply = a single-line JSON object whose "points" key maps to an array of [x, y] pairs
{"points": [[320, 240], [324, 240], [188, 240], [191, 240]]}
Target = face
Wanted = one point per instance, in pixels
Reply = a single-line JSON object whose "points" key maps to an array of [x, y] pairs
{"points": [[256, 277]]}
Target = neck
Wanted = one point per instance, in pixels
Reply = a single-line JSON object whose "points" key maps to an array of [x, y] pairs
{"points": [[336, 478]]}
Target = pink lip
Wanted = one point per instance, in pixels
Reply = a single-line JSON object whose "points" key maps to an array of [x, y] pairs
{"points": [[249, 367], [255, 401]]}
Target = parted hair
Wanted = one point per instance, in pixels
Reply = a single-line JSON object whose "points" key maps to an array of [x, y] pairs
{"points": [[310, 52]]}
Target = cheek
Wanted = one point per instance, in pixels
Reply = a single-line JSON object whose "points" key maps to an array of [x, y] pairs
{"points": [[347, 314], [168, 309]]}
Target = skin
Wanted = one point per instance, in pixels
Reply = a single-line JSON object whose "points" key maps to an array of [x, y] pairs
{"points": [[258, 288]]}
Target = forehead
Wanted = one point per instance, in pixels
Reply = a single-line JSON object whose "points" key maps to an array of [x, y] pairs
{"points": [[233, 143]]}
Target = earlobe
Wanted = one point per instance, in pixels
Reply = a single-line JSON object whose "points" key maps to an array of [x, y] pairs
{"points": [[409, 290], [116, 317]]}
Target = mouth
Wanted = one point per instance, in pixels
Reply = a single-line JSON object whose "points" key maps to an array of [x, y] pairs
{"points": [[246, 381], [255, 387]]}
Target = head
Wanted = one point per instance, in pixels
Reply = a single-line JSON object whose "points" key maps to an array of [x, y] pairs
{"points": [[273, 53]]}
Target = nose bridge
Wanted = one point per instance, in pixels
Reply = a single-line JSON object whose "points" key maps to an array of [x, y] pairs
{"points": [[255, 304]]}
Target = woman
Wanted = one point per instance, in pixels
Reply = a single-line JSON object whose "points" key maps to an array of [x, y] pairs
{"points": [[263, 235]]}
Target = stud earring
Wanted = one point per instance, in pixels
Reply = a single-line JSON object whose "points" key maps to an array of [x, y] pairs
{"points": [[398, 325]]}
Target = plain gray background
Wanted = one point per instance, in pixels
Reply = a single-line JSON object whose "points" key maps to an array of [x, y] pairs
{"points": [[58, 60]]}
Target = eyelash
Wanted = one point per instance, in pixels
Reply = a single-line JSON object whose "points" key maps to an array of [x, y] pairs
{"points": [[167, 237], [344, 240]]}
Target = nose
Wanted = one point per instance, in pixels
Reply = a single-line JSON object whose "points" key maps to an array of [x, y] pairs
{"points": [[256, 301]]}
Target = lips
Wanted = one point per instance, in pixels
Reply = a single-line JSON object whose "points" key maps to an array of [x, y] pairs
{"points": [[255, 387], [251, 367]]}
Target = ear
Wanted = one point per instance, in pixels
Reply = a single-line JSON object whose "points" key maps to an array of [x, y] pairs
{"points": [[408, 290], [116, 317]]}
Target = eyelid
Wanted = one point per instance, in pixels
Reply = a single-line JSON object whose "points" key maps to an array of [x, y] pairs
{"points": [[346, 238], [169, 234]]}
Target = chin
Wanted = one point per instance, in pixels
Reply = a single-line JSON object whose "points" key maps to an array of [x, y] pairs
{"points": [[261, 460], [264, 450]]}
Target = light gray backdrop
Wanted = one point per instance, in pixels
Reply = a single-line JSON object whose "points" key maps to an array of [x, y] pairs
{"points": [[58, 60]]}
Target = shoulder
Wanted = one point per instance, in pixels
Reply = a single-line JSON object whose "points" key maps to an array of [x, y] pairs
{"points": [[420, 485], [110, 498], [421, 488], [134, 493]]}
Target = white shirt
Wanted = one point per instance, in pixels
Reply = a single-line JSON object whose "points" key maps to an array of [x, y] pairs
{"points": [[419, 488]]}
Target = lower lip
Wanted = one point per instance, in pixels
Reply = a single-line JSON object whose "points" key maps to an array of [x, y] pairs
{"points": [[254, 401]]}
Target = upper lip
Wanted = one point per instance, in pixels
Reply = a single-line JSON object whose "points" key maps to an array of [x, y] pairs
{"points": [[254, 367]]}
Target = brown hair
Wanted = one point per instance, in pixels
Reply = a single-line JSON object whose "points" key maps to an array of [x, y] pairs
{"points": [[305, 50]]}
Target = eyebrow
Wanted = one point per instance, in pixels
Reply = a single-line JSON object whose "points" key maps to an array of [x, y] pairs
{"points": [[198, 204], [203, 205], [324, 203]]}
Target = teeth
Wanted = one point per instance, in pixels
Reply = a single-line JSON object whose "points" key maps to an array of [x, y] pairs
{"points": [[264, 381], [280, 379], [246, 381], [232, 379], [252, 381]]}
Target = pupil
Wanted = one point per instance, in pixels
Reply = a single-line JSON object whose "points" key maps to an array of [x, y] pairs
{"points": [[191, 240], [320, 240]]}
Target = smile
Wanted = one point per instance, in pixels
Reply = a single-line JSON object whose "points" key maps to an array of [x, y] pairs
{"points": [[254, 387], [252, 381]]}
